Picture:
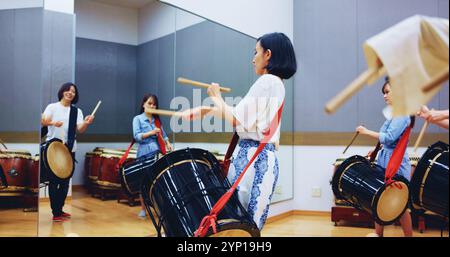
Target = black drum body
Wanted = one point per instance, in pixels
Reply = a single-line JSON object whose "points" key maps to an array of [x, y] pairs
{"points": [[429, 183], [56, 162], [361, 183], [132, 173], [183, 186]]}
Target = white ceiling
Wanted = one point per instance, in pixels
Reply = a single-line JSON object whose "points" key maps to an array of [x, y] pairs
{"points": [[126, 3]]}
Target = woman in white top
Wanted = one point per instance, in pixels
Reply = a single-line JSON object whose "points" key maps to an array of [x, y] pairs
{"points": [[275, 61], [56, 118]]}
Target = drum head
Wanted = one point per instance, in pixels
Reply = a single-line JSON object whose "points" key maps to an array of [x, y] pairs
{"points": [[60, 160], [392, 202], [234, 228]]}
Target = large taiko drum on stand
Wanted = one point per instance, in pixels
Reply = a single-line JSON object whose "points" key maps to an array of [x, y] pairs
{"points": [[15, 165], [429, 183], [183, 186], [361, 184], [57, 163]]}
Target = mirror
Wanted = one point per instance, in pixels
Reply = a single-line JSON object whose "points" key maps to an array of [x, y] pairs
{"points": [[114, 52], [20, 83], [209, 52]]}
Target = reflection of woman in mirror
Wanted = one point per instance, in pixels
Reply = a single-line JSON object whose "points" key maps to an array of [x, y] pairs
{"points": [[149, 134], [388, 136], [56, 118], [274, 60]]}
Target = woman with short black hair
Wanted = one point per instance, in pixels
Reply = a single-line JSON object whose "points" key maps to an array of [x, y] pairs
{"points": [[56, 118], [274, 60]]}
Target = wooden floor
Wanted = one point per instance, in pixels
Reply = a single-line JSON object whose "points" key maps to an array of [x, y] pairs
{"points": [[96, 218]]}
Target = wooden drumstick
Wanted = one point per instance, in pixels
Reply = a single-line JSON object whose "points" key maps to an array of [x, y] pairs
{"points": [[163, 112], [438, 80], [96, 107], [353, 88], [351, 142], [3, 143], [201, 84], [419, 138]]}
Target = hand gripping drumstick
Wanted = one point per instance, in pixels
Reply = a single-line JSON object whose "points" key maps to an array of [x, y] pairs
{"points": [[353, 88], [96, 107], [201, 84]]}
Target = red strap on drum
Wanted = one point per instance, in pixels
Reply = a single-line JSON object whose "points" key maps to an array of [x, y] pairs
{"points": [[124, 156], [161, 143], [397, 156], [210, 220]]}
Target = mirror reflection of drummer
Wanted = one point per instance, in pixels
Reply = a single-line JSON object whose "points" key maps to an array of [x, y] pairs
{"points": [[56, 118], [389, 135], [274, 59], [146, 133]]}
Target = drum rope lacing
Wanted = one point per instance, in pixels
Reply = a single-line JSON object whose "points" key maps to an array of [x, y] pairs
{"points": [[210, 220]]}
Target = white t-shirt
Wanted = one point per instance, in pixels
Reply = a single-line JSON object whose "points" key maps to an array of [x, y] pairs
{"points": [[258, 108], [58, 112]]}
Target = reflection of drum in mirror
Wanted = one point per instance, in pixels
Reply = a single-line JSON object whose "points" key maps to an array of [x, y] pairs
{"points": [[183, 186], [56, 162], [33, 175], [429, 183], [94, 163], [362, 184], [108, 175], [15, 165]]}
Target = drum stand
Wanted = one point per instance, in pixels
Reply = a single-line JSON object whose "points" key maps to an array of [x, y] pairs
{"points": [[131, 199], [349, 213]]}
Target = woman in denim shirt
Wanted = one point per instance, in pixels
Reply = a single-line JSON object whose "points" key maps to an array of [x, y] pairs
{"points": [[146, 133], [389, 135]]}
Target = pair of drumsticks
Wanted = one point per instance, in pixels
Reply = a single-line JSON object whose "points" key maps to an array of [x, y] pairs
{"points": [[187, 82], [375, 73]]}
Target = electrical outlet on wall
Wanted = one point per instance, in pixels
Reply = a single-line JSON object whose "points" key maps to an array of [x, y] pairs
{"points": [[316, 192]]}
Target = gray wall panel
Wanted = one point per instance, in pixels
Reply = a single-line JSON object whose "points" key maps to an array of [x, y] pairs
{"points": [[166, 79], [59, 59], [27, 66], [325, 44], [126, 88], [147, 70], [20, 69], [6, 70], [106, 71]]}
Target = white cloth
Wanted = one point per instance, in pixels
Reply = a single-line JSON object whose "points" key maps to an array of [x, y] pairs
{"points": [[58, 112], [413, 52], [258, 108]]}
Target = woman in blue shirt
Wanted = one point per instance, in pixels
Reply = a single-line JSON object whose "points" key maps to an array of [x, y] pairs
{"points": [[389, 135], [146, 132]]}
